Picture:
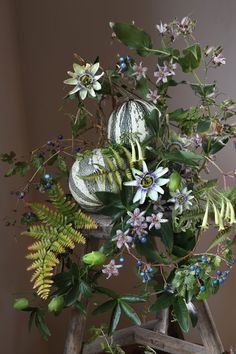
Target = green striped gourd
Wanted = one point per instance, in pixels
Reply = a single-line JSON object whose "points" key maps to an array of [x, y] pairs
{"points": [[128, 120], [84, 190]]}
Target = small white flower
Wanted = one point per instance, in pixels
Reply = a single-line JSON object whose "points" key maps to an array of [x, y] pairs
{"points": [[164, 71], [122, 238], [219, 59], [111, 269], [161, 75], [148, 184], [140, 229], [139, 71], [181, 199], [162, 28], [186, 26], [136, 218], [152, 96], [169, 67], [156, 220], [84, 80]]}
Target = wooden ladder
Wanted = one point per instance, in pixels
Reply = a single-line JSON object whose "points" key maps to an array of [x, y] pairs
{"points": [[153, 333]]}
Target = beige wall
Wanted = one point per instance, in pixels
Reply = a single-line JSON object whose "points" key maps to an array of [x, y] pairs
{"points": [[37, 40]]}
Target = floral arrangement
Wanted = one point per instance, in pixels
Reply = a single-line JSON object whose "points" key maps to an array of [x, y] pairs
{"points": [[149, 172]]}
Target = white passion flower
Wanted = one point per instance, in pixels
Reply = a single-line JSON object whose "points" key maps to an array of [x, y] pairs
{"points": [[84, 79], [182, 199], [147, 183]]}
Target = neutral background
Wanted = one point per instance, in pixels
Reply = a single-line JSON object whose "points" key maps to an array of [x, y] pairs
{"points": [[37, 40]]}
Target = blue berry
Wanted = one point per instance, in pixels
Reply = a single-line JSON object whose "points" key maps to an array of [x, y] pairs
{"points": [[46, 176], [215, 281], [121, 59], [123, 66], [202, 288], [142, 274], [50, 143], [143, 239], [20, 195], [218, 272], [203, 259], [226, 273], [122, 259], [60, 137], [192, 267], [221, 280], [48, 185], [150, 270], [77, 149], [198, 270], [139, 263]]}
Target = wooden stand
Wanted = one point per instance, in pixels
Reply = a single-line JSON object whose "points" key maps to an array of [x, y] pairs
{"points": [[153, 333]]}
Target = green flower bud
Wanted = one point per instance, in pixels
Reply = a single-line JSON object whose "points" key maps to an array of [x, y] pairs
{"points": [[56, 304], [21, 304], [174, 181], [94, 258]]}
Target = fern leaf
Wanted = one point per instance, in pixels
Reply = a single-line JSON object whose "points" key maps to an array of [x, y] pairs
{"points": [[47, 215]]}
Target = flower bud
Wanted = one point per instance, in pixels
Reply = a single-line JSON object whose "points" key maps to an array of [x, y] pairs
{"points": [[56, 304], [174, 181], [94, 258], [21, 304]]}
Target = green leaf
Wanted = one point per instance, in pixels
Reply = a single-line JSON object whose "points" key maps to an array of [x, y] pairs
{"points": [[21, 167], [130, 313], [133, 37], [183, 156], [107, 292], [203, 125], [153, 121], [191, 58], [181, 313], [147, 250], [9, 158], [61, 164], [85, 288], [115, 318], [73, 295], [221, 237], [133, 298], [142, 87], [167, 235], [104, 307], [212, 145], [41, 325], [203, 90], [163, 301]]}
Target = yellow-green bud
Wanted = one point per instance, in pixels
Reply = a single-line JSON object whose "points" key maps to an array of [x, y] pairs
{"points": [[94, 258], [56, 304], [174, 181], [21, 304]]}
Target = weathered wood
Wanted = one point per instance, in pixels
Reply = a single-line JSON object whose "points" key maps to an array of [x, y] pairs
{"points": [[76, 329], [122, 337], [207, 328], [162, 321], [166, 343]]}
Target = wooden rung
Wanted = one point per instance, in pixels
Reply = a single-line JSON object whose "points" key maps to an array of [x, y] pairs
{"points": [[122, 337], [166, 343]]}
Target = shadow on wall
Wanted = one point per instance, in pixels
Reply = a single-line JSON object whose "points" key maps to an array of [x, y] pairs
{"points": [[38, 40]]}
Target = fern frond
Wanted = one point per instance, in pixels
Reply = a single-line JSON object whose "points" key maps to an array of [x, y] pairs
{"points": [[83, 221], [58, 232], [205, 187], [48, 216]]}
